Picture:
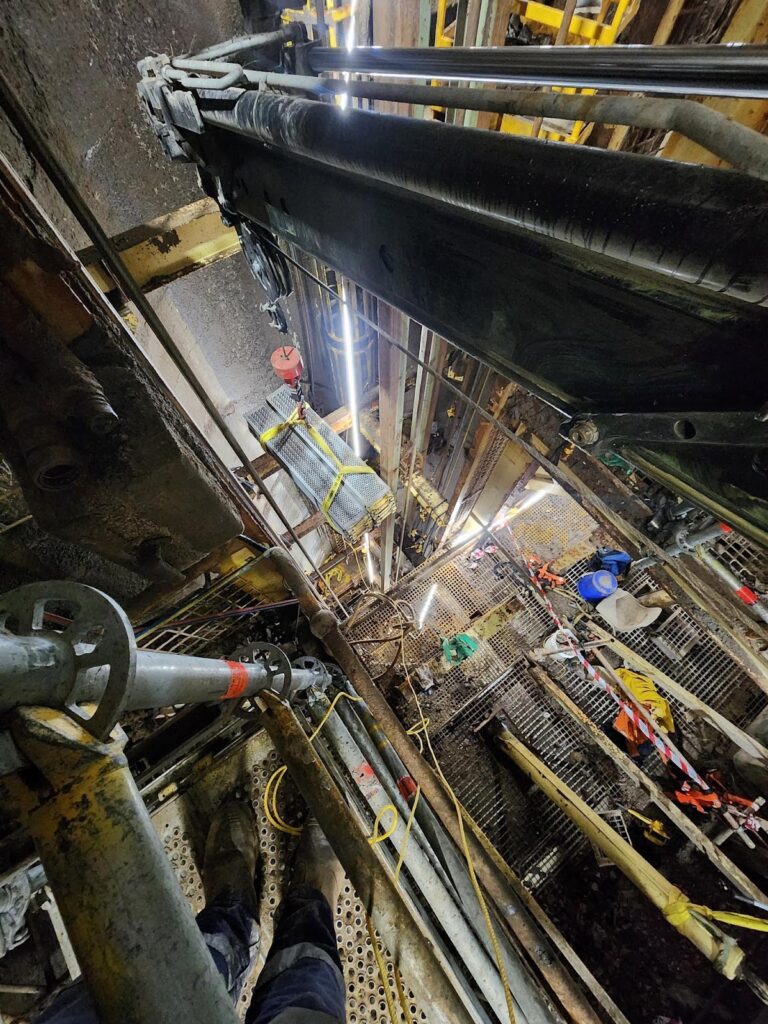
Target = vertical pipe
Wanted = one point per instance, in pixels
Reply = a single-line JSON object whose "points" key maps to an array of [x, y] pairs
{"points": [[422, 968], [479, 965], [132, 930]]}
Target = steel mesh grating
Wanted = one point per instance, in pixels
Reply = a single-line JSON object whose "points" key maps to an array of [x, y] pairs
{"points": [[230, 592], [745, 559], [529, 831]]}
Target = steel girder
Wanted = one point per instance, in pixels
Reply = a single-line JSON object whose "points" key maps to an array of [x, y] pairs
{"points": [[605, 283]]}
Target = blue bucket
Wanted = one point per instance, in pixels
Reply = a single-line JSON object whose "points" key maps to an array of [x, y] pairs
{"points": [[597, 585]]}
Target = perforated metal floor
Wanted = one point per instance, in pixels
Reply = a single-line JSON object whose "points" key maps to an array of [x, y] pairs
{"points": [[182, 824]]}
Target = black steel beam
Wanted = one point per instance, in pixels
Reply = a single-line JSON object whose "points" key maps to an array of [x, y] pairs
{"points": [[687, 70], [604, 282]]}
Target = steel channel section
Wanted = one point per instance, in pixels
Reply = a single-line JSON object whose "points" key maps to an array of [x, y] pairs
{"points": [[133, 932], [690, 70], [643, 318], [529, 1006], [39, 670], [422, 966], [427, 830]]}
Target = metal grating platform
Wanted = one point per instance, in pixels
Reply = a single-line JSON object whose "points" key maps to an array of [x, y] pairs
{"points": [[530, 832], [182, 823], [233, 590]]}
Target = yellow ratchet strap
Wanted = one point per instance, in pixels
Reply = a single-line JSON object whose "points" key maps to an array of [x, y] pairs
{"points": [[294, 420], [678, 911]]}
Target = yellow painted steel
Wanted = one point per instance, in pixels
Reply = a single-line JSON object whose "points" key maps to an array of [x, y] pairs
{"points": [[749, 24], [131, 928], [441, 39], [720, 949], [599, 31]]}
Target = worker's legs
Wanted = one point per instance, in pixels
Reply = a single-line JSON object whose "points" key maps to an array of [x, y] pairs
{"points": [[229, 921], [302, 975]]}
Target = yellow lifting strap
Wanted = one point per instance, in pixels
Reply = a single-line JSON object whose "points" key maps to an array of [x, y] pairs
{"points": [[294, 420], [677, 912]]}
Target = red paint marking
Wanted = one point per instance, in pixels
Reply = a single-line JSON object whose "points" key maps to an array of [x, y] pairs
{"points": [[407, 786], [238, 680], [363, 772], [746, 595], [725, 527]]}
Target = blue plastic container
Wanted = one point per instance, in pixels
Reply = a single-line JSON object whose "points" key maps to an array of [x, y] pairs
{"points": [[597, 585]]}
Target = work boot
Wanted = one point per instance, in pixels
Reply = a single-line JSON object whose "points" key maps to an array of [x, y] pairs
{"points": [[231, 855], [315, 864]]}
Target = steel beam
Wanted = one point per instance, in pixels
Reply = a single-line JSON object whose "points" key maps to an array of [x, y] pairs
{"points": [[637, 287], [393, 368], [725, 955], [168, 247]]}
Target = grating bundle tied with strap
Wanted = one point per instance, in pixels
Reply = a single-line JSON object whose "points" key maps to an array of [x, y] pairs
{"points": [[351, 496]]}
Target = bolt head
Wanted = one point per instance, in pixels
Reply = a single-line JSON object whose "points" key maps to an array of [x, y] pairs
{"points": [[585, 432]]}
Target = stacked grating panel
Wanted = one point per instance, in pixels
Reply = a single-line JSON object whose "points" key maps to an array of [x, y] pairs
{"points": [[181, 825], [360, 500]]}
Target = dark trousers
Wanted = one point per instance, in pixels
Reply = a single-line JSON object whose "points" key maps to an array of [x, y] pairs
{"points": [[301, 982]]}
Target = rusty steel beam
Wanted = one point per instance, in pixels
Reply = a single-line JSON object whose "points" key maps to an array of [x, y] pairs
{"points": [[167, 248]]}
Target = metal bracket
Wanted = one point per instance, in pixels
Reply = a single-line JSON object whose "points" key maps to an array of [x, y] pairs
{"points": [[274, 660], [97, 632], [598, 431]]}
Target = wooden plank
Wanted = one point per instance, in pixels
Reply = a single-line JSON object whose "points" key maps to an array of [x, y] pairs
{"points": [[703, 843]]}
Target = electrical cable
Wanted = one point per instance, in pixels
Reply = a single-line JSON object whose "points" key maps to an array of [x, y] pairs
{"points": [[382, 970], [269, 799], [422, 727]]}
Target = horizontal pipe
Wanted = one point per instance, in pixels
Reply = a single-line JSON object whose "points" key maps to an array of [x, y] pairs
{"points": [[727, 139], [745, 594], [42, 671], [257, 41], [688, 70]]}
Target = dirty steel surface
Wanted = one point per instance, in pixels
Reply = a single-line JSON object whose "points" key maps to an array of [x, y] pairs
{"points": [[182, 824], [73, 66]]}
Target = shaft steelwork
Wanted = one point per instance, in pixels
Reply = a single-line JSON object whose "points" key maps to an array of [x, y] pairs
{"points": [[682, 70]]}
